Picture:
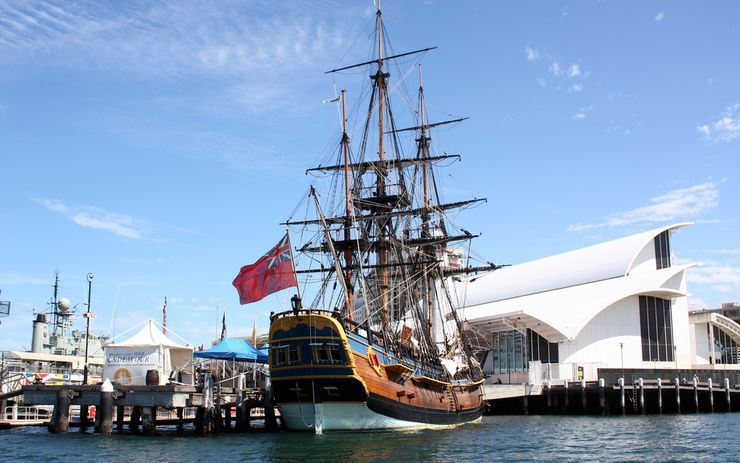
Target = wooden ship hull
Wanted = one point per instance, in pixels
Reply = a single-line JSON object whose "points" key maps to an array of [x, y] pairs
{"points": [[327, 378]]}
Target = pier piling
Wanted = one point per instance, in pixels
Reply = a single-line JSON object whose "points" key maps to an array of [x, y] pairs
{"points": [[148, 420], [677, 384], [711, 395], [641, 386], [584, 403], [602, 397], [119, 418], [621, 395], [104, 413], [660, 396], [60, 419], [134, 420], [727, 395], [696, 395]]}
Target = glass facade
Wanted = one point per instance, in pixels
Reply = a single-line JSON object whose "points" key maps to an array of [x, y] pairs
{"points": [[540, 349], [662, 251], [508, 352], [725, 347], [656, 329], [512, 350]]}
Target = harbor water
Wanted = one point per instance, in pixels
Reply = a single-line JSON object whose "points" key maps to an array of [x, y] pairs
{"points": [[703, 437]]}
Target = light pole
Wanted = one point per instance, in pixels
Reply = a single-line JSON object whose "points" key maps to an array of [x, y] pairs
{"points": [[88, 315]]}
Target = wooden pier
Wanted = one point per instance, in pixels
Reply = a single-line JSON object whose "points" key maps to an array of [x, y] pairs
{"points": [[640, 396], [218, 409]]}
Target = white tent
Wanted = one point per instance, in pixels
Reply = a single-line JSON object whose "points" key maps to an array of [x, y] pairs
{"points": [[127, 362]]}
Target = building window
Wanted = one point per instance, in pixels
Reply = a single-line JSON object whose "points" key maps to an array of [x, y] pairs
{"points": [[540, 349], [509, 352], [656, 329], [725, 348], [662, 251]]}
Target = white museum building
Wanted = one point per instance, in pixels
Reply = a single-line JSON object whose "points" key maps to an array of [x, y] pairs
{"points": [[620, 304]]}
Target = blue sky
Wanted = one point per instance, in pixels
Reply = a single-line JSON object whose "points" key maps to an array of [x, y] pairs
{"points": [[160, 144]]}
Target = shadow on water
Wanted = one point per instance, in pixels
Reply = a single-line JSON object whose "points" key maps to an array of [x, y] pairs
{"points": [[502, 438]]}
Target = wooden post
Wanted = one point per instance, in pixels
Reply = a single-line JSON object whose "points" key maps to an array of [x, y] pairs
{"points": [[134, 419], [60, 419], [621, 395], [677, 384], [696, 396], [270, 420], [711, 395], [602, 396], [120, 412], [583, 396], [227, 415], [148, 420], [641, 385], [180, 419], [660, 396], [566, 398], [104, 415], [549, 396], [727, 395]]}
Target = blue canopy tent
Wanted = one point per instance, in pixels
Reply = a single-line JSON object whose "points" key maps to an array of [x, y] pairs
{"points": [[234, 349]]}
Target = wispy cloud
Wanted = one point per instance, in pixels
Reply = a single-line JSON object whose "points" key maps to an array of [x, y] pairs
{"points": [[582, 113], [15, 279], [560, 76], [718, 276], [675, 205], [659, 17], [726, 128], [170, 37], [121, 225]]}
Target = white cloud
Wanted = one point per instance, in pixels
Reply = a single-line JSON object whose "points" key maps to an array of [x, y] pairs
{"points": [[560, 76], [675, 205], [725, 129], [721, 277], [16, 279], [555, 68], [169, 37], [659, 17], [121, 225], [582, 113]]}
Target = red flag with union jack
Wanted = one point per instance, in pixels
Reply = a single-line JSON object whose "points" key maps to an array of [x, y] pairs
{"points": [[271, 273]]}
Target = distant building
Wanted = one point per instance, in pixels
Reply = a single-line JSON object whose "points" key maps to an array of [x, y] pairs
{"points": [[731, 310], [614, 305]]}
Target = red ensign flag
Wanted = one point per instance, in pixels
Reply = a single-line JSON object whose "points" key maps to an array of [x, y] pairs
{"points": [[271, 273]]}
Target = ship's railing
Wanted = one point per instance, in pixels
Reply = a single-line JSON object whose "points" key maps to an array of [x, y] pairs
{"points": [[303, 311]]}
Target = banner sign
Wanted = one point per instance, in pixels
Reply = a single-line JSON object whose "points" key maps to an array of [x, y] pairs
{"points": [[128, 365]]}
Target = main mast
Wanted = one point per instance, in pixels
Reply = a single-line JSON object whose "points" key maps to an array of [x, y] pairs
{"points": [[349, 288], [380, 77]]}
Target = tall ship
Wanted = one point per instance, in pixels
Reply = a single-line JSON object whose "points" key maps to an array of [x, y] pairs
{"points": [[373, 340]]}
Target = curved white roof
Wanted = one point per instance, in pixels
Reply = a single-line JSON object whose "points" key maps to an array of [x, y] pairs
{"points": [[558, 295], [561, 314], [611, 259]]}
